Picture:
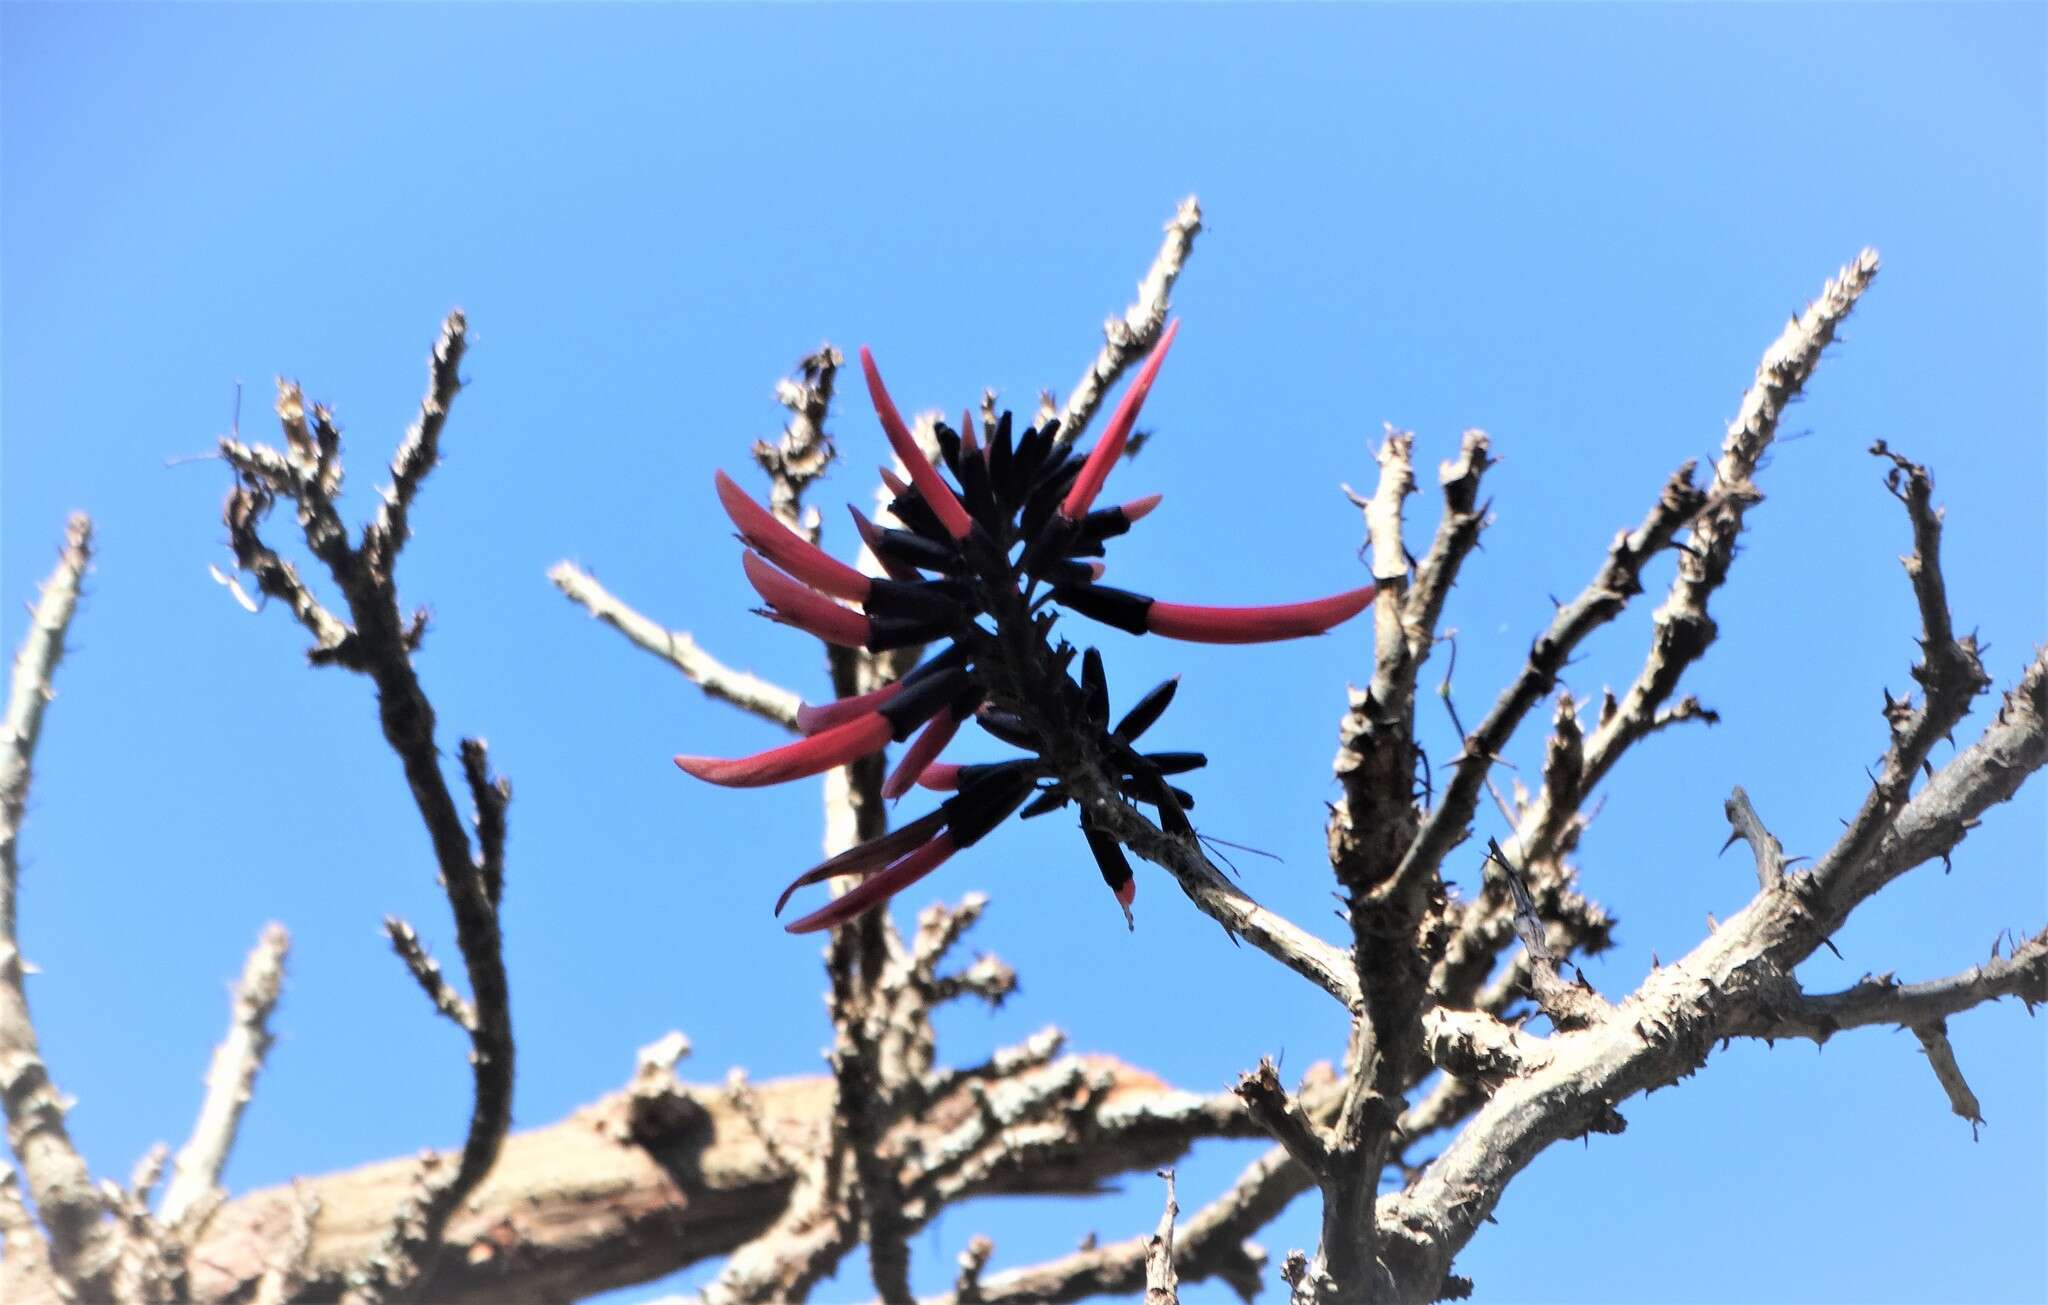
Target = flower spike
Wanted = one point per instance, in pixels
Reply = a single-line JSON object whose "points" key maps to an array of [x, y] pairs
{"points": [[1115, 435], [923, 474], [991, 529]]}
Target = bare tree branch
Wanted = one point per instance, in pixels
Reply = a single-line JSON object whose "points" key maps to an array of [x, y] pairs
{"points": [[1600, 602], [1682, 630], [1162, 1285], [1128, 339], [1210, 1244], [58, 1179], [742, 689], [229, 1080], [1941, 1057], [1732, 984], [2022, 973], [426, 971], [379, 643]]}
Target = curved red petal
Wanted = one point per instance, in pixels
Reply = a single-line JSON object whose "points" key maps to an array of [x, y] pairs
{"points": [[1111, 446], [812, 756], [1255, 624], [869, 857], [804, 607], [923, 750], [870, 535], [930, 485], [809, 719], [1139, 508], [877, 888], [786, 548], [940, 777]]}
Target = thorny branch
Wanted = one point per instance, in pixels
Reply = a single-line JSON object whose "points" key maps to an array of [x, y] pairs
{"points": [[786, 1179], [378, 642], [742, 689], [1682, 630], [69, 1205], [230, 1080]]}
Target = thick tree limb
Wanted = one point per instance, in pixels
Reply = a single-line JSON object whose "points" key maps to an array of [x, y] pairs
{"points": [[597, 1201], [66, 1200]]}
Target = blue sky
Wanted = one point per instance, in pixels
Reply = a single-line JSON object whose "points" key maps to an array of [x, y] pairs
{"points": [[1576, 227]]}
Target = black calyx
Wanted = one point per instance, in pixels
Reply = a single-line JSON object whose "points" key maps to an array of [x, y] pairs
{"points": [[908, 548], [938, 600], [1051, 799], [1008, 727], [1052, 486], [1094, 689], [921, 701], [1109, 858], [1064, 572], [1101, 524], [913, 511], [1000, 456], [985, 804], [1118, 607], [949, 446], [890, 632], [1147, 711]]}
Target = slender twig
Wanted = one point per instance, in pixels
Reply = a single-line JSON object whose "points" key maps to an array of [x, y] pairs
{"points": [[1162, 1284], [229, 1080], [1126, 339], [742, 689]]}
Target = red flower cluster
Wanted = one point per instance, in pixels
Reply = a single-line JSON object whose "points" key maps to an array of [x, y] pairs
{"points": [[967, 571]]}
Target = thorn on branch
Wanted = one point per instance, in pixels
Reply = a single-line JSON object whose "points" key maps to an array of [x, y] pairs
{"points": [[1749, 827]]}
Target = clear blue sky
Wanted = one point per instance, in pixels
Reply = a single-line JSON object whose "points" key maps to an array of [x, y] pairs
{"points": [[1574, 226]]}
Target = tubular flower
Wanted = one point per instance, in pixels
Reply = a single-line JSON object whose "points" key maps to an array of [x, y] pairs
{"points": [[972, 565]]}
